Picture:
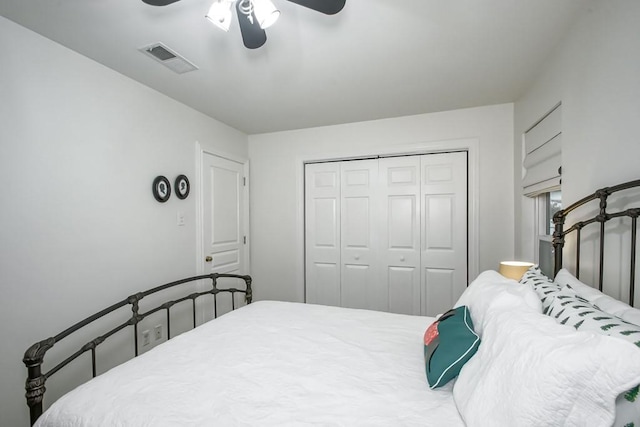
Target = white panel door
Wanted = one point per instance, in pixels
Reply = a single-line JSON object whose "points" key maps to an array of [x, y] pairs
{"points": [[443, 193], [223, 224], [360, 285], [322, 233], [399, 232], [223, 215]]}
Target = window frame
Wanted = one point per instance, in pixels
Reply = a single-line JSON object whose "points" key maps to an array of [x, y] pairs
{"points": [[542, 222]]}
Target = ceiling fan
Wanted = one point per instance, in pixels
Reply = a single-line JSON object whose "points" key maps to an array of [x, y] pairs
{"points": [[255, 15]]}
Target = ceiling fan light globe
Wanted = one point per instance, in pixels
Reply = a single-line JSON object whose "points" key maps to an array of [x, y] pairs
{"points": [[265, 12], [270, 20], [220, 14]]}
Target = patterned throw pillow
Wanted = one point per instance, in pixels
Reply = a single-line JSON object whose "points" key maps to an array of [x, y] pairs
{"points": [[573, 310], [544, 287], [449, 343]]}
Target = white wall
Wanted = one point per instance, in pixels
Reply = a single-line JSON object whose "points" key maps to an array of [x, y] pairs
{"points": [[594, 72], [276, 192], [79, 147]]}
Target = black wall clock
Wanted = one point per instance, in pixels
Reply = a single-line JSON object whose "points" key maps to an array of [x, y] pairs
{"points": [[182, 187], [161, 189]]}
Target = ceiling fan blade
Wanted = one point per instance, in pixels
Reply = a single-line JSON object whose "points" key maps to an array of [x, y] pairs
{"points": [[329, 7], [252, 35], [159, 2]]}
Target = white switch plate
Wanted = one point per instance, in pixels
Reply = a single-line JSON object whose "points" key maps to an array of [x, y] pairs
{"points": [[180, 218]]}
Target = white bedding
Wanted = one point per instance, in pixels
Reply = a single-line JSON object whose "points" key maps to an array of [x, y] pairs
{"points": [[271, 364]]}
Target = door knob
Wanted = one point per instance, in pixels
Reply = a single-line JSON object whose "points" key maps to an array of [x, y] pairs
{"points": [[357, 257], [208, 259], [402, 259]]}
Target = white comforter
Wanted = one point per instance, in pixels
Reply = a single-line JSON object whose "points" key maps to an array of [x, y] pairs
{"points": [[271, 364]]}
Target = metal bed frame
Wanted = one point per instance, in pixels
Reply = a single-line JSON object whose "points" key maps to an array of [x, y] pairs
{"points": [[602, 217], [34, 356]]}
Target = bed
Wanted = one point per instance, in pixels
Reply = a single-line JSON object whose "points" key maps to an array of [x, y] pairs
{"points": [[507, 354]]}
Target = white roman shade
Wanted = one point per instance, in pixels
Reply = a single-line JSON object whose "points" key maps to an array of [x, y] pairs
{"points": [[543, 155]]}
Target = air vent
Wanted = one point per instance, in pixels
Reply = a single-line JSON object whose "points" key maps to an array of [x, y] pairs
{"points": [[168, 58]]}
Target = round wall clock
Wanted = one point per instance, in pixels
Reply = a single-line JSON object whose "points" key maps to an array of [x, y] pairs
{"points": [[161, 189], [182, 187]]}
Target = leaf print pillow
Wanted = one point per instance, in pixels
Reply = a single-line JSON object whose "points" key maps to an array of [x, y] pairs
{"points": [[572, 310], [544, 287]]}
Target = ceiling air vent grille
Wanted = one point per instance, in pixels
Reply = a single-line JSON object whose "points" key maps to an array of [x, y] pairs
{"points": [[168, 58]]}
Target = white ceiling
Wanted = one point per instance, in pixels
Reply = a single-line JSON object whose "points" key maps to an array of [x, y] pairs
{"points": [[375, 59]]}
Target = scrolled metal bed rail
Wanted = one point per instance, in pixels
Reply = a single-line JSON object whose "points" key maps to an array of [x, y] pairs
{"points": [[34, 356], [604, 215]]}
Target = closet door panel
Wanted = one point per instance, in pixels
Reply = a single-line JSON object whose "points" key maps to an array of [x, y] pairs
{"points": [[402, 223], [438, 295], [357, 231], [355, 286], [360, 285], [404, 295], [322, 233], [444, 230], [400, 233], [326, 233], [438, 229], [326, 281]]}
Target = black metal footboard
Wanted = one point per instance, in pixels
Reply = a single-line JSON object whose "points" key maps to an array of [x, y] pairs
{"points": [[34, 356]]}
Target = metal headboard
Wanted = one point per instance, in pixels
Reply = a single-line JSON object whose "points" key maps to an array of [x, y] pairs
{"points": [[34, 356], [602, 217]]}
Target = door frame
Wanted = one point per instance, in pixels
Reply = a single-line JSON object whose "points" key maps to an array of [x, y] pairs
{"points": [[470, 145], [200, 151]]}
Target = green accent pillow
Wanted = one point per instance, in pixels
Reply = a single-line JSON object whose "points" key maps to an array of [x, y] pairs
{"points": [[449, 343]]}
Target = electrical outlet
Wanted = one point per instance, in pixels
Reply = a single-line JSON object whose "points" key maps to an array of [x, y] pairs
{"points": [[146, 338], [157, 331]]}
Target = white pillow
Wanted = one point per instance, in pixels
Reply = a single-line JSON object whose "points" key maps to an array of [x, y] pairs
{"points": [[564, 278], [593, 295], [532, 371], [631, 315], [492, 288]]}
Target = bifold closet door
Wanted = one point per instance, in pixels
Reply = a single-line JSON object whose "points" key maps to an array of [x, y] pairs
{"points": [[341, 243], [423, 230], [387, 234]]}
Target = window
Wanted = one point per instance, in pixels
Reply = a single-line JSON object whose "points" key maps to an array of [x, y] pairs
{"points": [[547, 204], [553, 205], [541, 179], [542, 154]]}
